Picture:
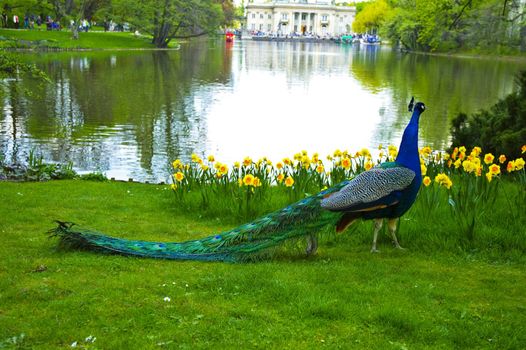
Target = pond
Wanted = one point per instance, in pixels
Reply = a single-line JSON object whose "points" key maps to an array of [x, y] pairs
{"points": [[129, 114]]}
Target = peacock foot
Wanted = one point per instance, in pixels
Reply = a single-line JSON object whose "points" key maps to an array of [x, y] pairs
{"points": [[398, 246], [312, 245], [374, 250]]}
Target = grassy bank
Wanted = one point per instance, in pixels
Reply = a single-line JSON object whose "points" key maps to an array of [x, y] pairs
{"points": [[344, 297], [35, 39]]}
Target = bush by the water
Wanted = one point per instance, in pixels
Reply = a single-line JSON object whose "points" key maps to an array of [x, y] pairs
{"points": [[498, 130]]}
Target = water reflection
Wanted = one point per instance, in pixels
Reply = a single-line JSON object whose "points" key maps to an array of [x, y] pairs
{"points": [[130, 114]]}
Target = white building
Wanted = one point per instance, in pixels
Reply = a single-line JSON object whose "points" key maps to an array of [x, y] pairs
{"points": [[285, 17]]}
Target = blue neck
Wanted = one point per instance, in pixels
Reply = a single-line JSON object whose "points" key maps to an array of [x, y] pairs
{"points": [[408, 152]]}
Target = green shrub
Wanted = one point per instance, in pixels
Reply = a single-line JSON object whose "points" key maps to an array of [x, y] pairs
{"points": [[498, 130]]}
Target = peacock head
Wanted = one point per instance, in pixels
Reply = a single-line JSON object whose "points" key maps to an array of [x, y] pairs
{"points": [[420, 106]]}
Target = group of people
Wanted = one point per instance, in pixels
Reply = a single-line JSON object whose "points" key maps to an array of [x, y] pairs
{"points": [[29, 22], [36, 22]]}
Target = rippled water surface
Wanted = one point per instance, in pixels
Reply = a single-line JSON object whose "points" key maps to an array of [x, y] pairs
{"points": [[130, 113]]}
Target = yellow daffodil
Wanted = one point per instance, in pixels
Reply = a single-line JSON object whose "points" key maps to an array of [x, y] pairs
{"points": [[454, 154], [425, 151], [237, 165], [469, 166], [494, 169], [368, 165], [380, 147], [457, 163], [248, 180], [337, 153], [423, 169], [289, 181], [319, 169], [280, 177], [393, 152], [488, 158], [346, 163], [523, 149], [173, 186], [179, 176], [257, 182], [489, 176], [287, 161], [511, 166], [519, 164], [211, 158], [204, 167], [177, 164], [502, 159], [223, 169], [426, 181], [476, 151], [443, 180], [279, 165], [247, 161]]}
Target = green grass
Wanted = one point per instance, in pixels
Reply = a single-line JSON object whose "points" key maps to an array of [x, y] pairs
{"points": [[429, 296], [63, 40]]}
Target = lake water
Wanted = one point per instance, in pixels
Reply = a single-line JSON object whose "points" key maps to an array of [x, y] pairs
{"points": [[130, 113]]}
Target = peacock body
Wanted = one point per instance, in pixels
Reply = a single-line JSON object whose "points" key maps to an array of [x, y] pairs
{"points": [[384, 192]]}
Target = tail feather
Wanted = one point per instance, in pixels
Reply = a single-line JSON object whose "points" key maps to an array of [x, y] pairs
{"points": [[244, 242]]}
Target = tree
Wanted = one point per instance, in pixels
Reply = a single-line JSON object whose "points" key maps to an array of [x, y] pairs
{"points": [[445, 25], [169, 19], [371, 16], [67, 11]]}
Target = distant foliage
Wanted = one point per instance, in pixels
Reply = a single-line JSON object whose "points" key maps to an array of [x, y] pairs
{"points": [[447, 25], [498, 130], [370, 16]]}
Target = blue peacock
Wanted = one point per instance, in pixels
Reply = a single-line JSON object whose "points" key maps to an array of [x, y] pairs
{"points": [[386, 191]]}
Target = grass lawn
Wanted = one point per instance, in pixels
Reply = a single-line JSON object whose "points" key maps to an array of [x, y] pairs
{"points": [[63, 40], [344, 297]]}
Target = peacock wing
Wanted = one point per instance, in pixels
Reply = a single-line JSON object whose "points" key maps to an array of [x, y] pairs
{"points": [[378, 186]]}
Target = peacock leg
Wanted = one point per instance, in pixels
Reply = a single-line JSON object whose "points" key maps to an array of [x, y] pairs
{"points": [[391, 224], [312, 244], [377, 226]]}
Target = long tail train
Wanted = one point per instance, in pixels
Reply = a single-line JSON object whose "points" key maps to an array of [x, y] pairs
{"points": [[301, 219]]}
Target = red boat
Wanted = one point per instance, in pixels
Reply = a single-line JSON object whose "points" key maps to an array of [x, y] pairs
{"points": [[229, 36]]}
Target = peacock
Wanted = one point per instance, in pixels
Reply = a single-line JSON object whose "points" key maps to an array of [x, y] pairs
{"points": [[386, 191]]}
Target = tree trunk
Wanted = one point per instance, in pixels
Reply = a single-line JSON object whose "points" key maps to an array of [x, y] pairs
{"points": [[75, 31], [162, 36], [523, 39]]}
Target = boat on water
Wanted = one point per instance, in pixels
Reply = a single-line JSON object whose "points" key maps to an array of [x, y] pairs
{"points": [[370, 40]]}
